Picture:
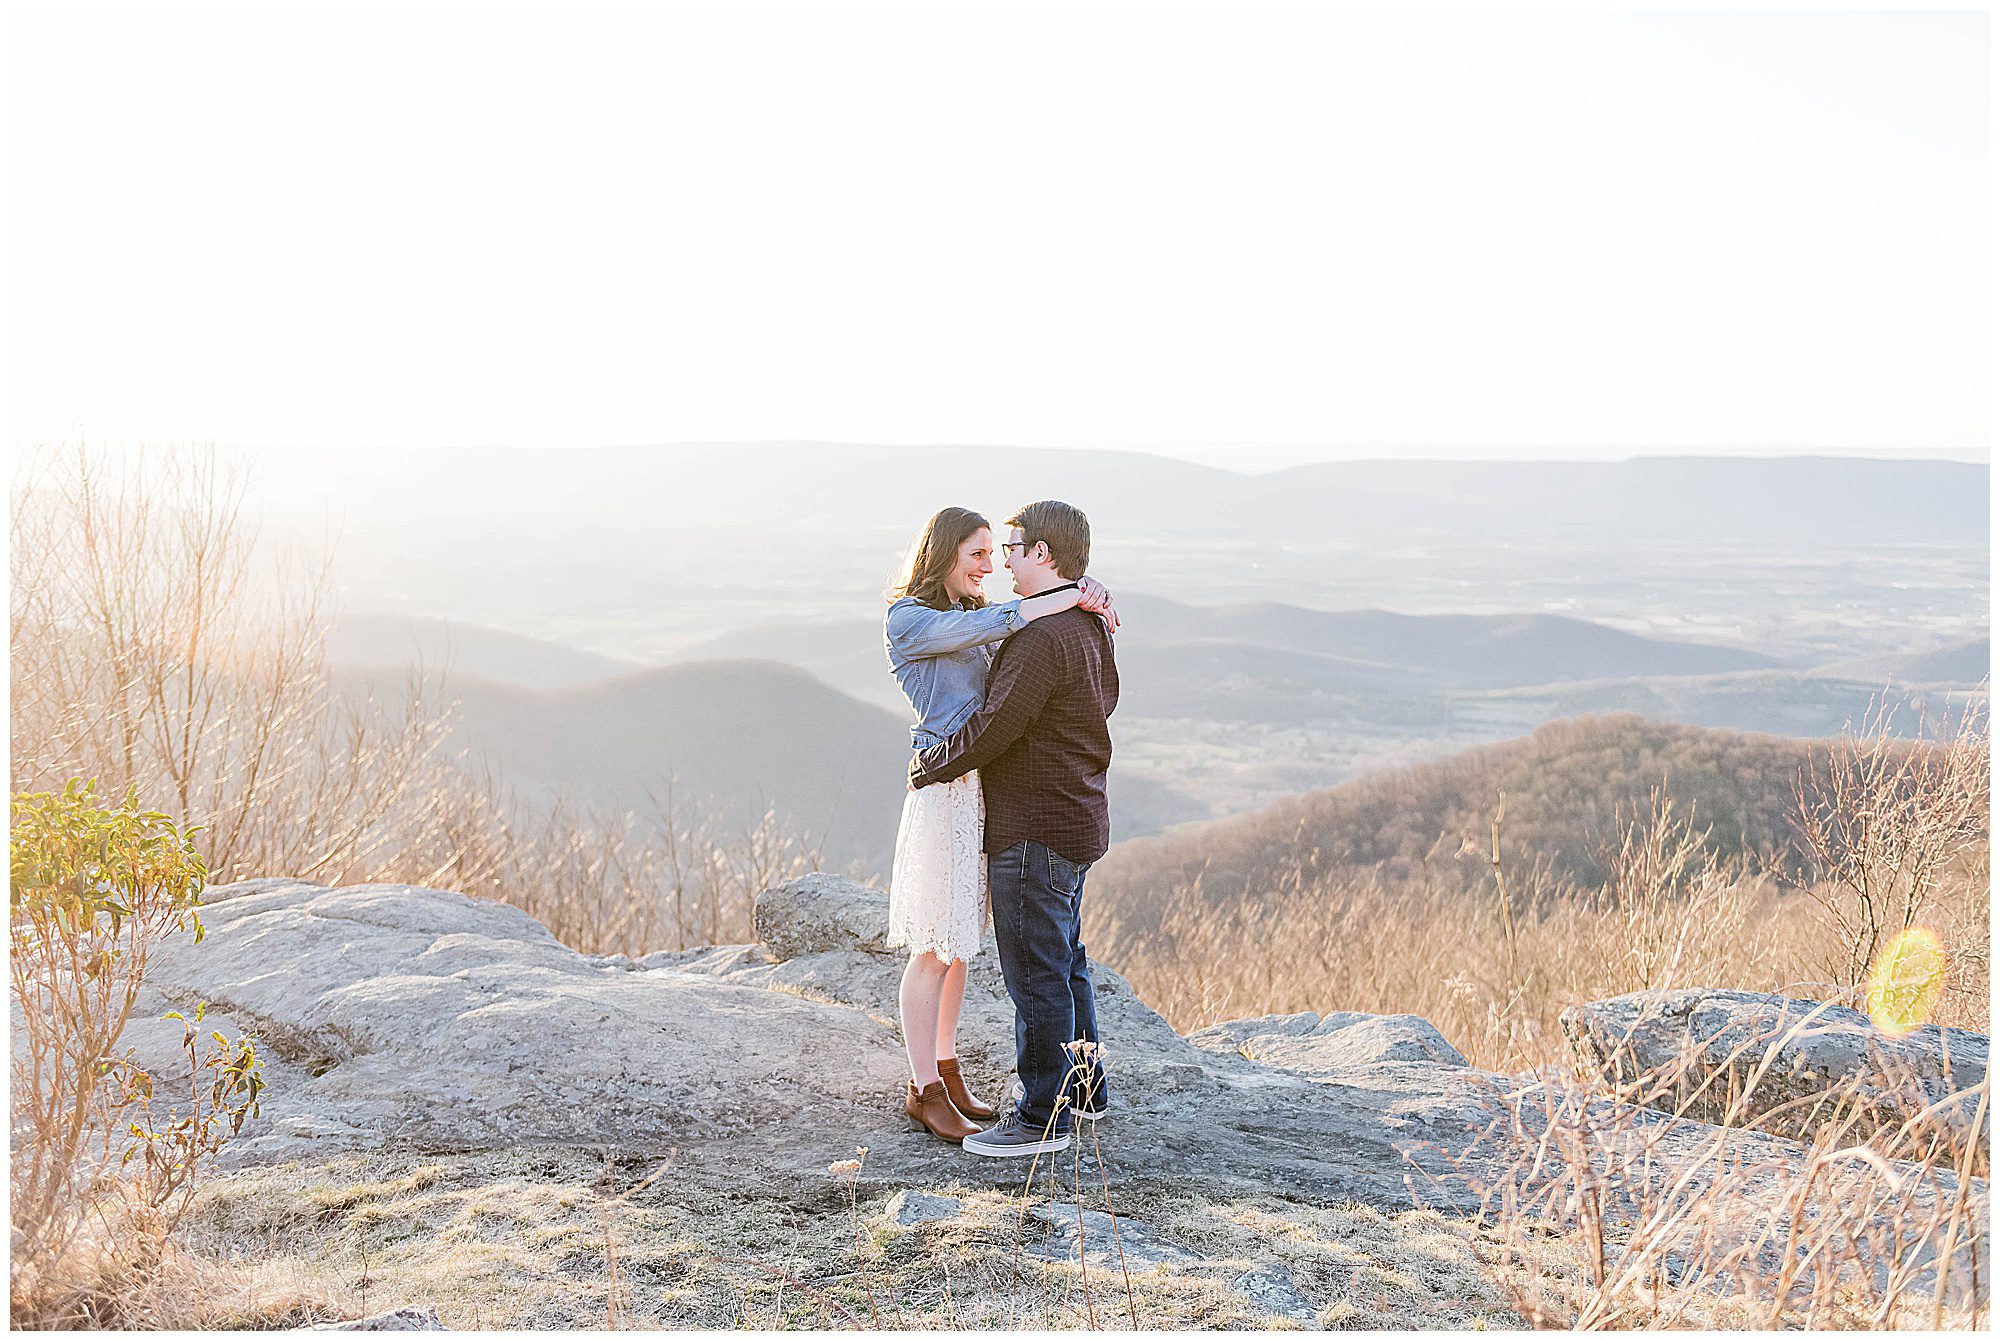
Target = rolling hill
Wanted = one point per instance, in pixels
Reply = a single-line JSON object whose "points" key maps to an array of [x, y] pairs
{"points": [[846, 653], [1471, 651], [1369, 677], [1565, 785], [1967, 663], [1275, 662], [741, 734], [390, 641], [1779, 702]]}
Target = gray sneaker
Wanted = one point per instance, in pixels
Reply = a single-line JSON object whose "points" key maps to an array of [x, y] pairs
{"points": [[1011, 1136]]}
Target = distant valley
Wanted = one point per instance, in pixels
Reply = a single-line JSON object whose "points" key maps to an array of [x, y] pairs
{"points": [[642, 554], [1219, 716], [1276, 662], [1285, 632]]}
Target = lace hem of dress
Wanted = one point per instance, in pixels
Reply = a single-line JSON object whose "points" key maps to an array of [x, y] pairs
{"points": [[937, 888]]}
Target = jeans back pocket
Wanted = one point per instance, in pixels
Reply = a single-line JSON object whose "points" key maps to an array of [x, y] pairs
{"points": [[1064, 874]]}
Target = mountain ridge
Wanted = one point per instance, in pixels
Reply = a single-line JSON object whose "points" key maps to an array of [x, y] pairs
{"points": [[1566, 783]]}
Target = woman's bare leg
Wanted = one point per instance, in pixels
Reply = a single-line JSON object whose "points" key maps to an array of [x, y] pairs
{"points": [[951, 998], [923, 988]]}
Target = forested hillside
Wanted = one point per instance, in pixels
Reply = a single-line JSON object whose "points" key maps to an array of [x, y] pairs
{"points": [[1565, 786]]}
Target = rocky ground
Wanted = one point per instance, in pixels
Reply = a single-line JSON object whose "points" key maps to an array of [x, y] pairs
{"points": [[465, 1115]]}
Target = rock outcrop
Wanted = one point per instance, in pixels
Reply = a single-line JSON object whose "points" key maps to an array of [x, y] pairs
{"points": [[421, 1019], [429, 1019], [1794, 1065], [426, 1019], [1330, 1046]]}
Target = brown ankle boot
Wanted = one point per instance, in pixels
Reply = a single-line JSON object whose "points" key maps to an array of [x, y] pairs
{"points": [[961, 1097], [930, 1108]]}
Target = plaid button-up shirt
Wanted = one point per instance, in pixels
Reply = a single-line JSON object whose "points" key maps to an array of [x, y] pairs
{"points": [[1040, 741]]}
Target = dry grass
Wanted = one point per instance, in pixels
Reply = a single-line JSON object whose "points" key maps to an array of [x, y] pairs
{"points": [[1442, 956], [518, 1239], [1865, 1226], [1494, 970], [185, 1290]]}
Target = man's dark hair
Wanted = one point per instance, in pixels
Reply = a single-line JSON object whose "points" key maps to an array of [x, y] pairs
{"points": [[1064, 529]]}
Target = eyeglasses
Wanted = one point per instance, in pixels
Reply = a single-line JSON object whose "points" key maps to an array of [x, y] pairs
{"points": [[1009, 546]]}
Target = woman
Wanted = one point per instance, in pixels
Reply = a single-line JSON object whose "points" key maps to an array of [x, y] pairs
{"points": [[941, 636]]}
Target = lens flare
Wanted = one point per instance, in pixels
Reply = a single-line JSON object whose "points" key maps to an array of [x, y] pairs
{"points": [[1903, 986]]}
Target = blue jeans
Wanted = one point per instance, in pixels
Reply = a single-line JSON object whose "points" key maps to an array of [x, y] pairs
{"points": [[1037, 923]]}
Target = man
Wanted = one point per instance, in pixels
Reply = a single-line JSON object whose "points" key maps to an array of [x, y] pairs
{"points": [[1042, 750]]}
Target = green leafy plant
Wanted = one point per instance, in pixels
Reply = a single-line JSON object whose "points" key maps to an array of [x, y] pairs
{"points": [[169, 1148], [93, 889]]}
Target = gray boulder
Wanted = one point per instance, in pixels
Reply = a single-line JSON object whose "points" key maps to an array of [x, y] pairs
{"points": [[407, 1319], [818, 911], [426, 1018], [1275, 1291], [909, 1208], [1105, 1242], [1327, 1047], [1791, 1064], [1102, 1239]]}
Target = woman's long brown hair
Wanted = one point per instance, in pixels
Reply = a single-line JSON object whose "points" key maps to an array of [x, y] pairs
{"points": [[934, 555]]}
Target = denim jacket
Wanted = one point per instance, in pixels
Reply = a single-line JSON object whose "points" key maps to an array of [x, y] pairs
{"points": [[940, 657]]}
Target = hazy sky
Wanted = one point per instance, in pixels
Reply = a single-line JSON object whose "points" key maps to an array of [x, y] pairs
{"points": [[1582, 233]]}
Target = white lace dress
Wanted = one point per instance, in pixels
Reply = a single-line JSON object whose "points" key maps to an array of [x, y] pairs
{"points": [[937, 886]]}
